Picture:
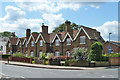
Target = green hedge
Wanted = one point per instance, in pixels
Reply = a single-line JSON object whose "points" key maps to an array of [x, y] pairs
{"points": [[115, 55], [19, 55], [5, 55]]}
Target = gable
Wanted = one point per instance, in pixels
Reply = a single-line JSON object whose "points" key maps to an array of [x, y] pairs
{"points": [[67, 35], [40, 37], [56, 37], [31, 37], [82, 29]]}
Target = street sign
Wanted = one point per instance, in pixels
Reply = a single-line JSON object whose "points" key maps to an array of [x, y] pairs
{"points": [[109, 48]]}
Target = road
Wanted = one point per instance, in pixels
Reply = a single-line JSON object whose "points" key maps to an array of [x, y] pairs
{"points": [[13, 71]]}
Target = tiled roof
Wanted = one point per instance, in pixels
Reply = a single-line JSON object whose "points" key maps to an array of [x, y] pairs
{"points": [[93, 33], [46, 37], [13, 40], [35, 35]]}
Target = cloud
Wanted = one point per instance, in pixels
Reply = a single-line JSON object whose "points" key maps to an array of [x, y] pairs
{"points": [[13, 13], [107, 27], [48, 6], [95, 6], [53, 20], [15, 21]]}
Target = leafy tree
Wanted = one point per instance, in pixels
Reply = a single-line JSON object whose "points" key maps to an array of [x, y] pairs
{"points": [[6, 34], [96, 52], [61, 27], [80, 53]]}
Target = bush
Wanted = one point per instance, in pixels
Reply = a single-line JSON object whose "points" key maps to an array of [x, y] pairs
{"points": [[43, 56], [19, 55], [30, 57], [5, 55], [115, 55], [96, 52]]}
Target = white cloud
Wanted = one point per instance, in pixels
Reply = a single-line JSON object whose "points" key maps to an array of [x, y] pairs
{"points": [[15, 21], [13, 13], [107, 27], [95, 6], [53, 20]]}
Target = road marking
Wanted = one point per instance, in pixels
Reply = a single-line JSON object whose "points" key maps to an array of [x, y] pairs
{"points": [[22, 77]]}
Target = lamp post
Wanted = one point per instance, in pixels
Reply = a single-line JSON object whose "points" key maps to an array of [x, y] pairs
{"points": [[109, 48]]}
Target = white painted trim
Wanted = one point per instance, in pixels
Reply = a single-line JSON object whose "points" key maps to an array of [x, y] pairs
{"points": [[24, 41], [80, 31], [66, 37], [18, 42], [55, 38], [39, 37], [31, 36]]}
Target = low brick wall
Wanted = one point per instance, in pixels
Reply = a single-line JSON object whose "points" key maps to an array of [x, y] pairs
{"points": [[101, 64], [29, 60], [115, 61]]}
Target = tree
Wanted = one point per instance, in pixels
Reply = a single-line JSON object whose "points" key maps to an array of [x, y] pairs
{"points": [[61, 27], [96, 52], [80, 53], [6, 34]]}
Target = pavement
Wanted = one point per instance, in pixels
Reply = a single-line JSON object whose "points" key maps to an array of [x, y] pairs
{"points": [[51, 66]]}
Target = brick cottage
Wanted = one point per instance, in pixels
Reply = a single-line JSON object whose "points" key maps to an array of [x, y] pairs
{"points": [[58, 43]]}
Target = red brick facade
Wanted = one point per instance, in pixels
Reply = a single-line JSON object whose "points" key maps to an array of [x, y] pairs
{"points": [[61, 43]]}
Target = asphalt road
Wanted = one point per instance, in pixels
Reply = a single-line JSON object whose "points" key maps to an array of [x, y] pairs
{"points": [[13, 71]]}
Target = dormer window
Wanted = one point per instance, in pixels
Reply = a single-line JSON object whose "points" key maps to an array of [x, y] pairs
{"points": [[41, 42], [20, 45], [32, 43], [57, 42], [68, 41], [9, 45], [82, 39]]}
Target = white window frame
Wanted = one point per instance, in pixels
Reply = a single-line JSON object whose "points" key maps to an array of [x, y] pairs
{"points": [[41, 42], [57, 53], [40, 53], [81, 37], [9, 45], [25, 44], [20, 45], [32, 53], [57, 42], [67, 43], [68, 54], [32, 43], [26, 54]]}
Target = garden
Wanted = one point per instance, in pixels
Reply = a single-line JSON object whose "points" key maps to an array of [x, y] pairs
{"points": [[80, 57]]}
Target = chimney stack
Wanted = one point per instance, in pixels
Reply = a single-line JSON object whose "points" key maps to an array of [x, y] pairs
{"points": [[44, 28], [67, 28], [13, 34], [28, 32]]}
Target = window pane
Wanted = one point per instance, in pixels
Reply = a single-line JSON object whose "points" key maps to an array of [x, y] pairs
{"points": [[32, 54], [68, 41], [32, 43], [40, 53], [57, 53], [82, 39], [57, 42], [41, 42]]}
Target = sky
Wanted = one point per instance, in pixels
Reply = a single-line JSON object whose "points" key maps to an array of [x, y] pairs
{"points": [[17, 16]]}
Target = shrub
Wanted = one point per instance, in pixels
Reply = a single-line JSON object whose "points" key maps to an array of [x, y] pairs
{"points": [[80, 53], [19, 55], [43, 56], [50, 55], [30, 57], [115, 55], [96, 52]]}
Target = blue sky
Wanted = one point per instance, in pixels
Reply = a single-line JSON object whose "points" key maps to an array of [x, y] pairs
{"points": [[18, 16]]}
